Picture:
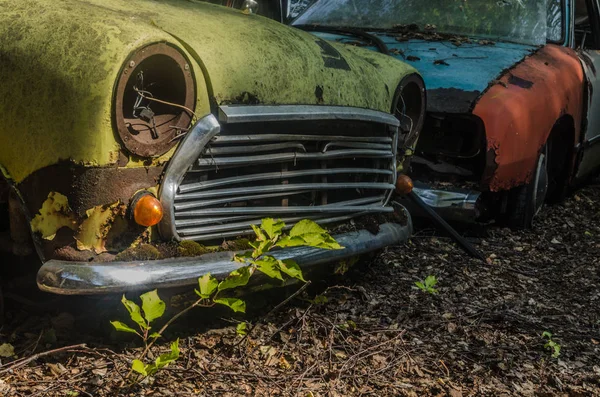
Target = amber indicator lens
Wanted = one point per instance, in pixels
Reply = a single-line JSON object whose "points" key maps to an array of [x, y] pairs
{"points": [[404, 185], [147, 211]]}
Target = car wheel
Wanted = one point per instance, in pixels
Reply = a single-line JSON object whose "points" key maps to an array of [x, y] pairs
{"points": [[525, 202]]}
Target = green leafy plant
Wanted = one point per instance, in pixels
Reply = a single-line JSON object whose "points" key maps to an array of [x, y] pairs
{"points": [[242, 329], [551, 344], [428, 285], [210, 291]]}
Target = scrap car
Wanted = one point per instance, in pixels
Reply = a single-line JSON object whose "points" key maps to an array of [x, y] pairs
{"points": [[513, 101], [142, 139]]}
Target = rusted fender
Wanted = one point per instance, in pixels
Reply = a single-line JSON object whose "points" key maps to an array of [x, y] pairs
{"points": [[520, 110]]}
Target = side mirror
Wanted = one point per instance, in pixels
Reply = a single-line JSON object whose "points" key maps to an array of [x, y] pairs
{"points": [[250, 6]]}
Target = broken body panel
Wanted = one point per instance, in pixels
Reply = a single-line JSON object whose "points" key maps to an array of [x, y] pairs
{"points": [[68, 96]]}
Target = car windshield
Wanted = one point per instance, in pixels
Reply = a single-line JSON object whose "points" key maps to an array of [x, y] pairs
{"points": [[523, 21]]}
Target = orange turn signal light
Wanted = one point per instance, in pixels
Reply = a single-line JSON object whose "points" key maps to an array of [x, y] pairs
{"points": [[404, 185], [147, 210]]}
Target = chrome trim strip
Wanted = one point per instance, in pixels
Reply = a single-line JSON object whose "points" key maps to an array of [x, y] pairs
{"points": [[221, 150], [322, 220], [355, 145], [187, 153], [284, 210], [85, 278], [294, 137], [199, 221], [191, 187], [208, 162], [231, 114], [234, 199], [293, 187]]}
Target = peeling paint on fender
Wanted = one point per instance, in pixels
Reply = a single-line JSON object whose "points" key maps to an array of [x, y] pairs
{"points": [[54, 215], [93, 231], [520, 111]]}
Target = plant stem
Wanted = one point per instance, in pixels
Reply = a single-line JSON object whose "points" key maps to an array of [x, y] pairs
{"points": [[164, 327]]}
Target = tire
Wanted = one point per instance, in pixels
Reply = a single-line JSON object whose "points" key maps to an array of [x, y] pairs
{"points": [[525, 202]]}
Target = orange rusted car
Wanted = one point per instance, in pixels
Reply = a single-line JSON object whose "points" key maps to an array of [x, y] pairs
{"points": [[513, 94]]}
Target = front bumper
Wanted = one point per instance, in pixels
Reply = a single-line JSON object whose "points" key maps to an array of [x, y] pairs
{"points": [[85, 278]]}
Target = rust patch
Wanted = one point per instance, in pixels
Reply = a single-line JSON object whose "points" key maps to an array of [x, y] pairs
{"points": [[518, 121], [319, 94], [247, 98], [85, 190], [86, 187], [93, 231]]}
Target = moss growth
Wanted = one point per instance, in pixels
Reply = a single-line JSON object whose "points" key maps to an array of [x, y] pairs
{"points": [[141, 252], [240, 244], [192, 248]]}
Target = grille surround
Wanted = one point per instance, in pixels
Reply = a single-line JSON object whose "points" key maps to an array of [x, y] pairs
{"points": [[213, 160]]}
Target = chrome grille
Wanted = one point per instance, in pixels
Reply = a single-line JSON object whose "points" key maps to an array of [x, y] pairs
{"points": [[325, 170]]}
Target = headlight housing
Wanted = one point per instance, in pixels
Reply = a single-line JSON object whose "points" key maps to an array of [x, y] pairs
{"points": [[409, 107], [154, 99]]}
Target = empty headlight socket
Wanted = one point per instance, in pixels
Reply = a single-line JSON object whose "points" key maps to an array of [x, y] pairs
{"points": [[148, 127]]}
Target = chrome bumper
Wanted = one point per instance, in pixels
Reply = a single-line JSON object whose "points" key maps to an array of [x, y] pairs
{"points": [[85, 278], [452, 205]]}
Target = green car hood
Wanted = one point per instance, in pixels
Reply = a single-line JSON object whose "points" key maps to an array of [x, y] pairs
{"points": [[59, 61]]}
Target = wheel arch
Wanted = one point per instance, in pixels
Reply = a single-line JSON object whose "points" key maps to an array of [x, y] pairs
{"points": [[562, 155]]}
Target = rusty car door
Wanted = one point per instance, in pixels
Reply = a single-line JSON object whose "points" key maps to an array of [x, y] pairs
{"points": [[587, 35]]}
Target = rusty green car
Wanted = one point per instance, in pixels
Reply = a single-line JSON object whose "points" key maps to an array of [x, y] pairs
{"points": [[142, 139]]}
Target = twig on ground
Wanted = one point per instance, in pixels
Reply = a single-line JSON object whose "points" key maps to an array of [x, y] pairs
{"points": [[24, 361]]}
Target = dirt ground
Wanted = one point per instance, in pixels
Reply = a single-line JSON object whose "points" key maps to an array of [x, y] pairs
{"points": [[375, 334]]}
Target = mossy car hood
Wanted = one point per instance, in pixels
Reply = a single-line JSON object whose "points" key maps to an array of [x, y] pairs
{"points": [[60, 59], [253, 59]]}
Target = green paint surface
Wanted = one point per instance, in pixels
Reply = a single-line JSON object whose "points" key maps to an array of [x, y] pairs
{"points": [[59, 60]]}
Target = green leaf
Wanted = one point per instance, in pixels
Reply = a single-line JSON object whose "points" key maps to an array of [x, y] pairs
{"points": [[430, 281], [288, 241], [306, 226], [7, 350], [237, 278], [420, 285], [155, 335], [269, 266], [151, 369], [260, 235], [272, 228], [242, 329], [122, 327], [152, 305], [546, 334], [167, 358], [237, 305], [134, 312], [139, 367], [291, 268], [262, 248], [208, 284], [323, 241], [243, 258], [319, 300]]}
